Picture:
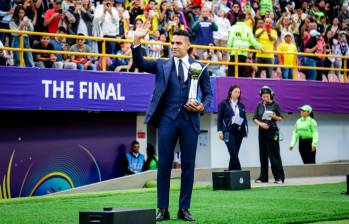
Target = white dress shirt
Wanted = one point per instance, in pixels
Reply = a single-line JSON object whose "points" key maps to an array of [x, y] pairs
{"points": [[185, 64], [235, 107]]}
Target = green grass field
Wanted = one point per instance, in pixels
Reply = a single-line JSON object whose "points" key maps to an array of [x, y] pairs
{"points": [[286, 204]]}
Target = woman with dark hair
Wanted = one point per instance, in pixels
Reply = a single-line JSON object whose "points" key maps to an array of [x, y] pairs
{"points": [[232, 125], [152, 160], [22, 23], [267, 114]]}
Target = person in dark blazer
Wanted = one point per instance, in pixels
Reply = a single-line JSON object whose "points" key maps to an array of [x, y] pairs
{"points": [[173, 116], [232, 125]]}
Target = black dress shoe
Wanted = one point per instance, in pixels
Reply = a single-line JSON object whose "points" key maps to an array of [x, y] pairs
{"points": [[162, 215], [185, 215], [260, 181]]}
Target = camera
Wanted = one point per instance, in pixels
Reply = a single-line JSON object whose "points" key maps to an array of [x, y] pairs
{"points": [[60, 11], [205, 18]]}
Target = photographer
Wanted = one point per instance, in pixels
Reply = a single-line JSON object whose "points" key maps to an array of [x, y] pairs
{"points": [[83, 20], [204, 29], [315, 45], [107, 18], [56, 17]]}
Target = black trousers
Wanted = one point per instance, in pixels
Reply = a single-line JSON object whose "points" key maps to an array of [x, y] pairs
{"points": [[235, 139], [305, 146], [269, 148], [242, 69]]}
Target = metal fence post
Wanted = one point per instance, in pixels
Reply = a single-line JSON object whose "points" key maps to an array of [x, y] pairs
{"points": [[236, 59], [21, 52], [104, 58]]}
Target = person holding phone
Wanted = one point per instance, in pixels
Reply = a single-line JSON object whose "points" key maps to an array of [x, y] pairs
{"points": [[267, 114], [22, 23], [267, 37], [204, 29], [107, 17], [83, 20], [314, 45], [232, 125], [53, 16]]}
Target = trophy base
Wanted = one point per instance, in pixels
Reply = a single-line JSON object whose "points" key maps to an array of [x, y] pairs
{"points": [[193, 101]]}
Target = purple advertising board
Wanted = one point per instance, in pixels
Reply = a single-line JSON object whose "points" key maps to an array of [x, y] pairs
{"points": [[322, 96], [50, 89]]}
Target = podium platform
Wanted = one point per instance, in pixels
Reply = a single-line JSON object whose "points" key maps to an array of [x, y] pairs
{"points": [[231, 180], [118, 216]]}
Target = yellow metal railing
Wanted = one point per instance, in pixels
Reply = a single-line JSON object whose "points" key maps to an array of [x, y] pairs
{"points": [[104, 55]]}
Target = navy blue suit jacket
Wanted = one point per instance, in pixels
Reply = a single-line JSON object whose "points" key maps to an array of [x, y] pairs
{"points": [[225, 113], [162, 69]]}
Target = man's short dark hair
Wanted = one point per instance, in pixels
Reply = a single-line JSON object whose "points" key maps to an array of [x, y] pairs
{"points": [[181, 33], [134, 143], [61, 29]]}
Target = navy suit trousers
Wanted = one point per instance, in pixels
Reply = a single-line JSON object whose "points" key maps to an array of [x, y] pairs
{"points": [[170, 131]]}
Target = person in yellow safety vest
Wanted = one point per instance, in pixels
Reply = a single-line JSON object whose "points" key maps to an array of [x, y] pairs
{"points": [[240, 36]]}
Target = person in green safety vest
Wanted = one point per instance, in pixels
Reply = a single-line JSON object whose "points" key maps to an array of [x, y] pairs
{"points": [[241, 37], [306, 130]]}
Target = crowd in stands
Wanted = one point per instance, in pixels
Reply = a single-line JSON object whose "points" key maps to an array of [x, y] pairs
{"points": [[310, 26]]}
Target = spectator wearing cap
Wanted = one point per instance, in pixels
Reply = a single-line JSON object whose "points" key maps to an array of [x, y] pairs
{"points": [[82, 62], [314, 46], [240, 36], [60, 44], [287, 46], [107, 19], [83, 19], [306, 130], [56, 17], [266, 37]]}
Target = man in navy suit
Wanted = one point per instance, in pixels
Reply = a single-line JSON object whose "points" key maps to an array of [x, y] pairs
{"points": [[175, 119]]}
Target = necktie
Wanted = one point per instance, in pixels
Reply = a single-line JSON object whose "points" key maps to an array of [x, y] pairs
{"points": [[180, 72]]}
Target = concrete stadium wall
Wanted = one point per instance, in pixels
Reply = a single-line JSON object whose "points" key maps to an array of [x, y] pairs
{"points": [[333, 143]]}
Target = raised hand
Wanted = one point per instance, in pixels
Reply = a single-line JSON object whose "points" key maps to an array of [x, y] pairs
{"points": [[141, 32]]}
